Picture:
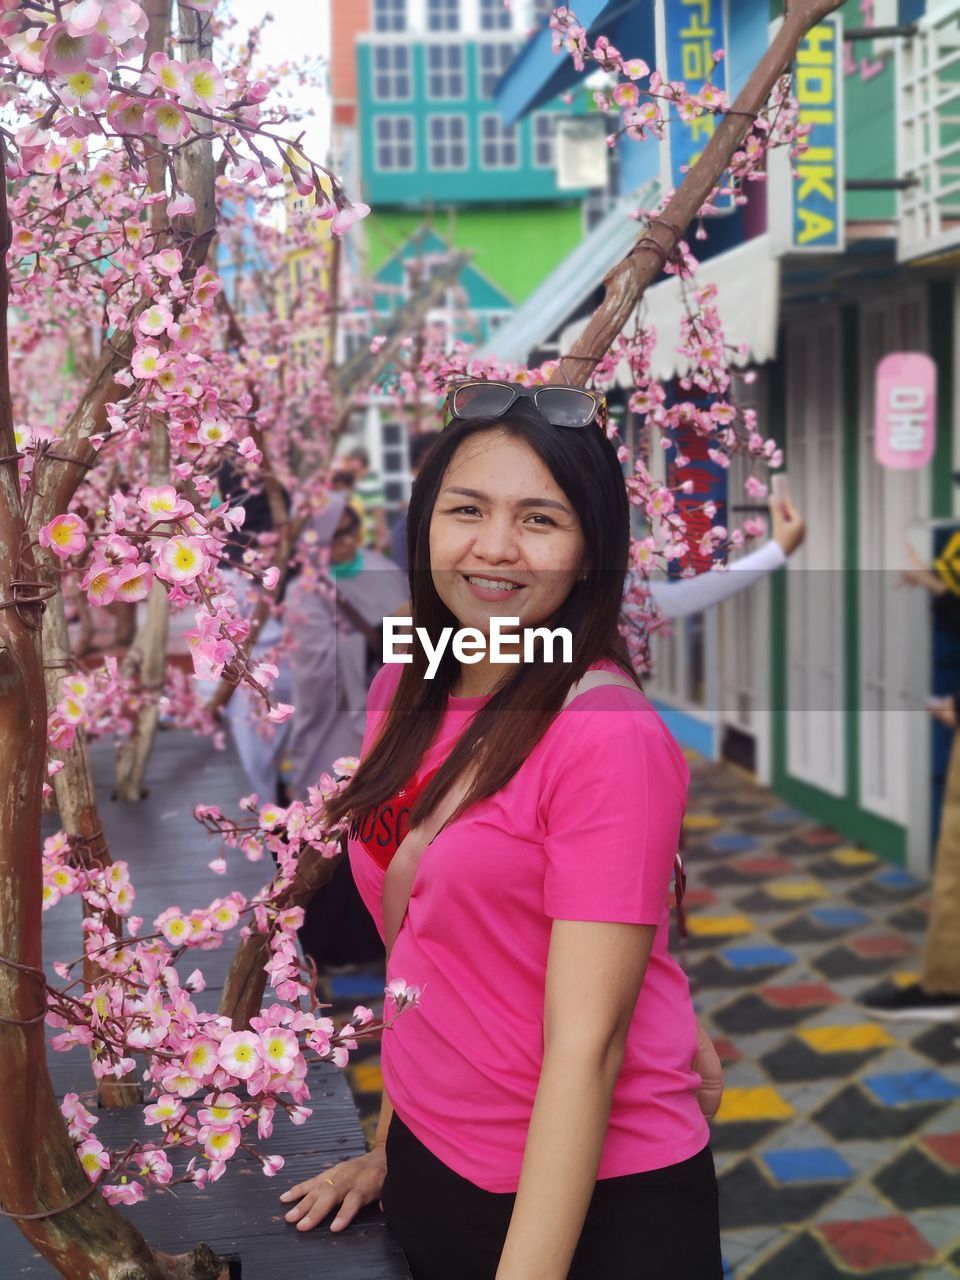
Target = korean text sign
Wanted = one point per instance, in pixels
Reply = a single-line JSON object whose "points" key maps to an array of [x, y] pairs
{"points": [[905, 422], [692, 31]]}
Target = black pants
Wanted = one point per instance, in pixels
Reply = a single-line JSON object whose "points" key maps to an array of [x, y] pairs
{"points": [[663, 1224]]}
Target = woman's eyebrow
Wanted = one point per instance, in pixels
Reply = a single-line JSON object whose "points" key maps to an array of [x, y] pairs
{"points": [[523, 502]]}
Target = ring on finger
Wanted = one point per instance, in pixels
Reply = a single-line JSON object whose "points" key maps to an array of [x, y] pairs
{"points": [[331, 1181]]}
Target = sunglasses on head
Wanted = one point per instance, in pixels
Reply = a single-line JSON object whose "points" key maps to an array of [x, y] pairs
{"points": [[559, 405]]}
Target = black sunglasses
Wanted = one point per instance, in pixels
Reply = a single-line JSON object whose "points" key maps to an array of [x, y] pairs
{"points": [[559, 405]]}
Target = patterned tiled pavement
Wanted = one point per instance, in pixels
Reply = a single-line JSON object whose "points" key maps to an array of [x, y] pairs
{"points": [[838, 1141]]}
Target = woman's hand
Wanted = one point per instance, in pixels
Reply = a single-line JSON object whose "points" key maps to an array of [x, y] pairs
{"points": [[350, 1184], [787, 525], [708, 1068]]}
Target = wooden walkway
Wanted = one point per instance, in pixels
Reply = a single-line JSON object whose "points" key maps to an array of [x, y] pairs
{"points": [[240, 1216]]}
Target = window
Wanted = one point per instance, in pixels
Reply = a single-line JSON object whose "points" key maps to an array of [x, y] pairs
{"points": [[499, 148], [545, 140], [542, 9], [493, 60], [391, 73], [494, 16], [389, 15], [445, 77], [443, 15], [393, 136], [448, 142]]}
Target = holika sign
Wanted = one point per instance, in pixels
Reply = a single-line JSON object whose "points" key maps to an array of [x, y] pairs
{"points": [[807, 207], [905, 422]]}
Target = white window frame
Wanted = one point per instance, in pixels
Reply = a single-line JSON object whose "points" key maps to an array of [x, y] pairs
{"points": [[494, 9], [483, 72], [392, 74], [447, 143], [389, 12], [445, 48], [497, 168], [450, 7], [393, 142], [535, 119]]}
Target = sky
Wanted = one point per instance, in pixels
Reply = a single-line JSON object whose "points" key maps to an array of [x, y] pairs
{"points": [[299, 29]]}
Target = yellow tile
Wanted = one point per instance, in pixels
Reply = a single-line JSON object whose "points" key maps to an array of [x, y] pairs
{"points": [[760, 1102], [854, 857], [701, 822], [905, 978], [366, 1077], [718, 926], [795, 890], [865, 1035]]}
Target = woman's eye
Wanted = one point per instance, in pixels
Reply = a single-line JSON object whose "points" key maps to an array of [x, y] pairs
{"points": [[464, 511], [540, 520]]}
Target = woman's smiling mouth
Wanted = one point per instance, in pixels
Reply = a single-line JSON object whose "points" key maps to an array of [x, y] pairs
{"points": [[491, 588]]}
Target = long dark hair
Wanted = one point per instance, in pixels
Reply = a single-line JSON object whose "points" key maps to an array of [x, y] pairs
{"points": [[500, 737]]}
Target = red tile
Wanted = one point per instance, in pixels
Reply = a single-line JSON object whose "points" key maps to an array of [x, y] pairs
{"points": [[699, 898], [877, 1242], [800, 995], [880, 944], [945, 1146], [727, 1051], [820, 837], [764, 865]]}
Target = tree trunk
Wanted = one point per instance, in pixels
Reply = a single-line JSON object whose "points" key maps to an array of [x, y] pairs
{"points": [[626, 284], [79, 814], [196, 174], [83, 1237]]}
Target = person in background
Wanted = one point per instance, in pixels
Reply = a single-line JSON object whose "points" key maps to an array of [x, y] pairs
{"points": [[368, 487], [335, 650], [259, 743], [936, 997], [419, 448]]}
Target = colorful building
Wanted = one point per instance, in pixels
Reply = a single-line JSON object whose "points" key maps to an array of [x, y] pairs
{"points": [[816, 681], [417, 133]]}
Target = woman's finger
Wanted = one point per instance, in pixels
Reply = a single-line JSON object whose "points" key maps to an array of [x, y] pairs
{"points": [[313, 1209], [353, 1202]]}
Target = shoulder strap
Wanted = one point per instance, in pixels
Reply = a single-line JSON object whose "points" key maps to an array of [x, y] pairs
{"points": [[597, 680]]}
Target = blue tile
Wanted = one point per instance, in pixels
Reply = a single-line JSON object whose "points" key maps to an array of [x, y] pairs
{"points": [[732, 843], [839, 917], [783, 816], [807, 1164], [757, 957], [912, 1086], [356, 986], [897, 879]]}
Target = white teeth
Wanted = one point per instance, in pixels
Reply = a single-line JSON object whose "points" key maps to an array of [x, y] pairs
{"points": [[492, 584]]}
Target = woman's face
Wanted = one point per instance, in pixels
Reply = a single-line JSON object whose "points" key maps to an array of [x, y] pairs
{"points": [[346, 538], [504, 538]]}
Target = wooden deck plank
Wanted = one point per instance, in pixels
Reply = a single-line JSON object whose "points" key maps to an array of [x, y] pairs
{"points": [[241, 1214]]}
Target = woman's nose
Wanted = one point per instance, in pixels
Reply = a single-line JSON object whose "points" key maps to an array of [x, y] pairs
{"points": [[496, 541]]}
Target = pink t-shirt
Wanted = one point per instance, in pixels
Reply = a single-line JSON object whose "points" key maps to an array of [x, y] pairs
{"points": [[587, 829]]}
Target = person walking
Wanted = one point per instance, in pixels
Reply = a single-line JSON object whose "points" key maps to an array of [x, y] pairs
{"points": [[513, 832]]}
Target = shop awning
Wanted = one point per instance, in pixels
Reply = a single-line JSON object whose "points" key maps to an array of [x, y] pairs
{"points": [[748, 299]]}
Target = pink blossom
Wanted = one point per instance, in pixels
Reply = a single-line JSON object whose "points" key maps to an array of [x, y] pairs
{"points": [[126, 115], [168, 262], [240, 1054], [347, 216], [88, 89], [64, 535], [155, 1166], [67, 53], [164, 73], [93, 1157], [147, 362], [181, 559], [124, 1193], [279, 1050], [166, 121], [154, 320], [204, 86], [181, 206]]}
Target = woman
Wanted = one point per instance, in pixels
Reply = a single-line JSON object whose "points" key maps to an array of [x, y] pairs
{"points": [[334, 648], [546, 1118]]}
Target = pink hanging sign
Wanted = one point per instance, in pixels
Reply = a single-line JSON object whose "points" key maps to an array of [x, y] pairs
{"points": [[905, 422]]}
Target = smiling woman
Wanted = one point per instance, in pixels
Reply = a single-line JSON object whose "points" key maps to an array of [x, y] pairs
{"points": [[513, 832]]}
